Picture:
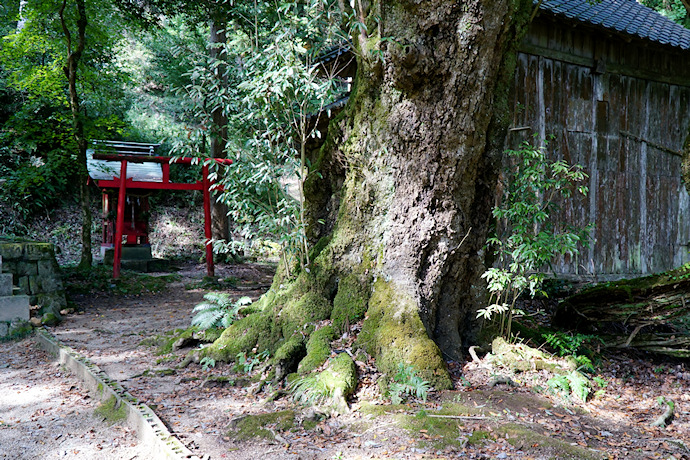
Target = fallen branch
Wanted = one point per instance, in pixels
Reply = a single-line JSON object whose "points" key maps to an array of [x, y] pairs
{"points": [[460, 417]]}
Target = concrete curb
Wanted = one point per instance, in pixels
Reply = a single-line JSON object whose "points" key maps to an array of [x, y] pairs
{"points": [[149, 428]]}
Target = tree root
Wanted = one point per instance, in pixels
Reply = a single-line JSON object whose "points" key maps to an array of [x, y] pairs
{"points": [[500, 379], [192, 357], [473, 353], [667, 417]]}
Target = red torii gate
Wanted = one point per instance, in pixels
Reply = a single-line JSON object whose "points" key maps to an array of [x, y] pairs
{"points": [[122, 183]]}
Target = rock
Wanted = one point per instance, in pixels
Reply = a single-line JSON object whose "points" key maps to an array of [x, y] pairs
{"points": [[36, 322], [50, 319]]}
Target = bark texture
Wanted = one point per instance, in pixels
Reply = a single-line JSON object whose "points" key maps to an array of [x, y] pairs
{"points": [[220, 227], [399, 211], [75, 50]]}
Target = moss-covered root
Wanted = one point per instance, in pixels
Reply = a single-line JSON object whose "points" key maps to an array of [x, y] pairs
{"points": [[394, 334], [318, 349], [288, 355], [328, 388], [340, 378]]}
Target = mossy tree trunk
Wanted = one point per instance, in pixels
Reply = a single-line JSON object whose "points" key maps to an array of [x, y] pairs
{"points": [[401, 191], [220, 227], [75, 50]]}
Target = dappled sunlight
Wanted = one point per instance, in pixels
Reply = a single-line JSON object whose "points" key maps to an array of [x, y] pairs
{"points": [[176, 231]]}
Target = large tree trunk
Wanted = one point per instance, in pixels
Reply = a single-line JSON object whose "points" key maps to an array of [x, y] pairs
{"points": [[400, 207], [220, 228], [74, 54]]}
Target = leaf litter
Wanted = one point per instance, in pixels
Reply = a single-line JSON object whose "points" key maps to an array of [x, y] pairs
{"points": [[505, 421]]}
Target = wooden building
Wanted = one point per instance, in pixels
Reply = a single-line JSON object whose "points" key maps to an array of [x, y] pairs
{"points": [[611, 83]]}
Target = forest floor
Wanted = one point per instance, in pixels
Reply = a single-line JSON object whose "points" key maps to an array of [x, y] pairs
{"points": [[476, 420]]}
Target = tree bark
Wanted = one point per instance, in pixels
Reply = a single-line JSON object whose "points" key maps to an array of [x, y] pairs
{"points": [[220, 228], [70, 69], [399, 201]]}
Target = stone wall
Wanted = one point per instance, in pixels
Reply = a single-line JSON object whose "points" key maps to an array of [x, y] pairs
{"points": [[14, 309], [36, 272]]}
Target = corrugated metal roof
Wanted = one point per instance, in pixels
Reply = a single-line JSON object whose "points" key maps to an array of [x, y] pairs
{"points": [[107, 170], [624, 16]]}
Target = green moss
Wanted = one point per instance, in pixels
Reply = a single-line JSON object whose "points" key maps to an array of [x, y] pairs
{"points": [[394, 333], [441, 432], [350, 303], [523, 438], [318, 349], [290, 349], [241, 336], [377, 410], [50, 319], [341, 374], [309, 424], [319, 246], [309, 308], [330, 387], [478, 437], [112, 410], [19, 329], [258, 426], [457, 408]]}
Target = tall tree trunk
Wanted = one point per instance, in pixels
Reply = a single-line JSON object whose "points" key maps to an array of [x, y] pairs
{"points": [[400, 205], [220, 228], [74, 54]]}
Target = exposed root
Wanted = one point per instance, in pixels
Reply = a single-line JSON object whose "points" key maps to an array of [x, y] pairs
{"points": [[501, 379], [473, 353], [667, 417]]}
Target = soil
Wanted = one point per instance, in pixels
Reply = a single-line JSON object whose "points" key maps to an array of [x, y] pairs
{"points": [[45, 413]]}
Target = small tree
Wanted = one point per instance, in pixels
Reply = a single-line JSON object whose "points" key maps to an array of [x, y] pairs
{"points": [[530, 241]]}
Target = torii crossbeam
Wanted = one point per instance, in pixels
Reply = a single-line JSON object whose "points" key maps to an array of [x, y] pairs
{"points": [[122, 184]]}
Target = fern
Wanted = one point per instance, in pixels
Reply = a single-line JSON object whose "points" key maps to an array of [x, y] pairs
{"points": [[559, 384], [568, 344], [579, 385], [407, 383], [219, 310], [574, 383]]}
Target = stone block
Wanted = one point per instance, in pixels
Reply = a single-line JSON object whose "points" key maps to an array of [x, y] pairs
{"points": [[128, 253], [158, 265], [33, 285], [23, 283], [135, 265], [38, 251], [54, 301], [9, 266], [47, 267], [6, 286], [11, 250], [4, 329], [47, 284], [14, 307], [26, 269]]}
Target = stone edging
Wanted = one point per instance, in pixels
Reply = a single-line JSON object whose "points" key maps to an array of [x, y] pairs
{"points": [[149, 428]]}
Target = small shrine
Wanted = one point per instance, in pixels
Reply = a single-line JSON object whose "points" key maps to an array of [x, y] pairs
{"points": [[127, 174]]}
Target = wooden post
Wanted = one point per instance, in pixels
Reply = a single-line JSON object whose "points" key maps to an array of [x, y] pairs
{"points": [[210, 271], [120, 220]]}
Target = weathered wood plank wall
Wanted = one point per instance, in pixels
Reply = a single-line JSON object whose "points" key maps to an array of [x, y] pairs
{"points": [[620, 109]]}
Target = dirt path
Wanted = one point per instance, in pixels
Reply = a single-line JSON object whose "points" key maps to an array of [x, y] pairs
{"points": [[44, 413], [477, 421]]}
